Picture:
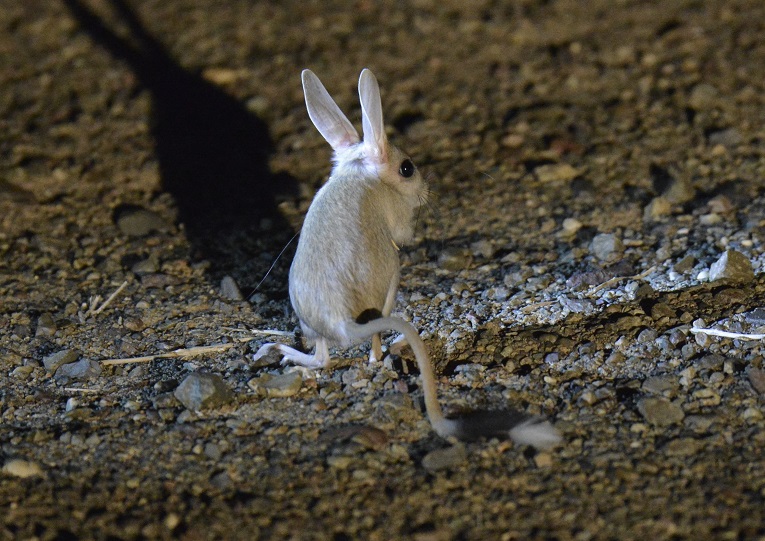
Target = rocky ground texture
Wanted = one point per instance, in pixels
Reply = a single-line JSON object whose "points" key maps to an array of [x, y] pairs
{"points": [[598, 200]]}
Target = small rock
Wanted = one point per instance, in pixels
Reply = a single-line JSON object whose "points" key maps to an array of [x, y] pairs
{"points": [[729, 137], [757, 379], [445, 458], [680, 190], [606, 247], [277, 386], [756, 316], [138, 222], [46, 326], [164, 400], [647, 335], [53, 361], [703, 96], [683, 447], [658, 208], [733, 266], [660, 411], [576, 306], [543, 460], [454, 259], [561, 172], [22, 468], [212, 451], [752, 415], [230, 290], [685, 264], [699, 423], [158, 280], [202, 390], [661, 384], [81, 370], [571, 226], [147, 266], [22, 372]]}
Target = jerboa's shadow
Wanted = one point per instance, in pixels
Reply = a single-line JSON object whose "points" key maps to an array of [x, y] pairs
{"points": [[212, 152]]}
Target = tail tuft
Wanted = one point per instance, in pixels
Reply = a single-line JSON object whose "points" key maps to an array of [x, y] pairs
{"points": [[520, 427]]}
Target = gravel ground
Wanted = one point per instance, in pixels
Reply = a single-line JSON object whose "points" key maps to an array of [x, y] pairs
{"points": [[597, 173]]}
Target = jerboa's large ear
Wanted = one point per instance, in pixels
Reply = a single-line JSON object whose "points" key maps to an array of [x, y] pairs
{"points": [[333, 125], [371, 115]]}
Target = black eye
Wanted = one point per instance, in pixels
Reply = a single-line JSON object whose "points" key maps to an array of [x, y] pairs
{"points": [[406, 169]]}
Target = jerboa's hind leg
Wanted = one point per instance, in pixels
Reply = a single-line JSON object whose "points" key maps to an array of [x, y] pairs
{"points": [[390, 299], [318, 359]]}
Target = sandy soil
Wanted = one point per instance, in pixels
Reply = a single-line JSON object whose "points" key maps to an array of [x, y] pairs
{"points": [[590, 163]]}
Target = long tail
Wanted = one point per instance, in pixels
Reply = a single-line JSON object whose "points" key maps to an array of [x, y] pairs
{"points": [[522, 428]]}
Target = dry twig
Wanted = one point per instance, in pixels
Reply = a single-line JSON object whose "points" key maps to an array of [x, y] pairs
{"points": [[728, 334], [617, 279]]}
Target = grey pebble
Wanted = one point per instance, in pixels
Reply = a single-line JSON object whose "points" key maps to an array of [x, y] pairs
{"points": [[149, 265], [277, 386], [703, 96], [657, 209], [230, 290], [729, 137], [660, 411], [685, 264], [53, 361], [683, 447], [757, 379], [454, 259], [22, 372], [576, 306], [661, 384], [165, 400], [82, 370], [46, 326], [733, 266], [445, 458], [606, 247], [201, 390], [212, 451], [138, 222]]}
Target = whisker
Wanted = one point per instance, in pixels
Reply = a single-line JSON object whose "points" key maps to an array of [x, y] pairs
{"points": [[273, 265]]}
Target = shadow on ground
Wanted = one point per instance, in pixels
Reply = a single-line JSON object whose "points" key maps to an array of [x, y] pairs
{"points": [[212, 152]]}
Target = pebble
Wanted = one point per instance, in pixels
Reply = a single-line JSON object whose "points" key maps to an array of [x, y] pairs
{"points": [[230, 290], [685, 264], [22, 468], [757, 379], [571, 226], [658, 208], [683, 447], [661, 384], [212, 451], [606, 247], [149, 265], [53, 361], [703, 96], [82, 370], [729, 137], [454, 259], [139, 222], [561, 172], [46, 326], [203, 390], [22, 372], [660, 411], [277, 386], [733, 266], [445, 458]]}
